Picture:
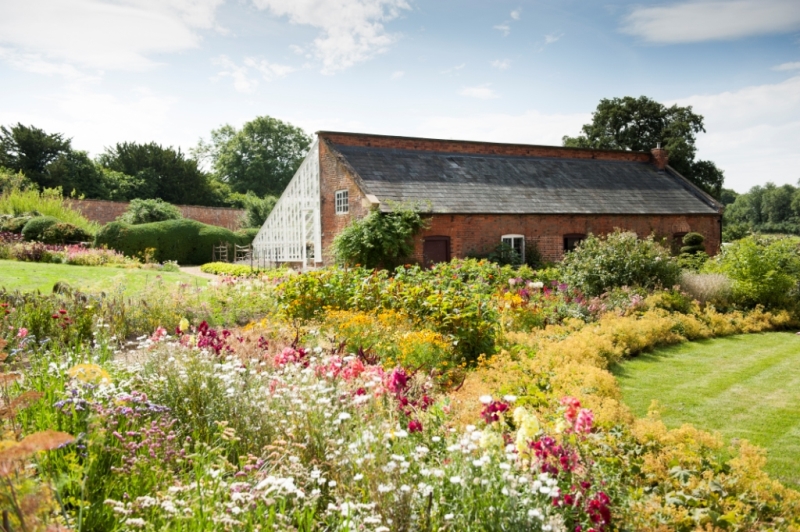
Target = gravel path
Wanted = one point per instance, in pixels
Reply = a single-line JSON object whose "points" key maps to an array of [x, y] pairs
{"points": [[195, 270]]}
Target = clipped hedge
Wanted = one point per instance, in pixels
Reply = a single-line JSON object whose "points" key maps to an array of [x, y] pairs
{"points": [[35, 228], [14, 224], [184, 241], [64, 233]]}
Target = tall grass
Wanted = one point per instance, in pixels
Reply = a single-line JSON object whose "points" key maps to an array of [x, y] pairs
{"points": [[50, 202]]}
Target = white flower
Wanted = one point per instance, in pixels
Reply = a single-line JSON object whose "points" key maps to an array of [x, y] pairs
{"points": [[455, 480], [384, 488], [358, 477], [486, 399], [449, 517]]}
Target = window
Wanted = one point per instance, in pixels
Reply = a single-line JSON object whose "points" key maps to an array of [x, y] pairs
{"points": [[677, 243], [517, 243], [342, 202], [572, 241]]}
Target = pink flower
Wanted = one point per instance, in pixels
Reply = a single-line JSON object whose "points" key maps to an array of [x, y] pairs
{"points": [[22, 333], [414, 426], [398, 380], [584, 421]]}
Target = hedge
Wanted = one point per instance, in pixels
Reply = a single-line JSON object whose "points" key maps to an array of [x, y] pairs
{"points": [[184, 241]]}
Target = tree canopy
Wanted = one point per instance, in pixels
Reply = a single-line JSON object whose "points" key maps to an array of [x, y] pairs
{"points": [[159, 172], [639, 124], [764, 209], [261, 157], [30, 150]]}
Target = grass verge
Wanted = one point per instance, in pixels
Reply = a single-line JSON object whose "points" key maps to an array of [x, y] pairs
{"points": [[745, 386], [29, 276]]}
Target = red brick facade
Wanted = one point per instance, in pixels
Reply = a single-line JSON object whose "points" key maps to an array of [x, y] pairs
{"points": [[482, 233]]}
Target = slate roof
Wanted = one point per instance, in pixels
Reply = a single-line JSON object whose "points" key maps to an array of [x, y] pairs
{"points": [[483, 184]]}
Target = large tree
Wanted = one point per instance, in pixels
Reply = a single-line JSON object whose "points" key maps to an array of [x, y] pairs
{"points": [[261, 157], [639, 124], [161, 172], [30, 150]]}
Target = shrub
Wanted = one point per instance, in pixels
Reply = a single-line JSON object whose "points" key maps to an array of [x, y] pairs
{"points": [[15, 224], [35, 228], [379, 239], [49, 202], [764, 270], [246, 236], [64, 233], [693, 243], [619, 259], [184, 241], [31, 252], [714, 288], [143, 211]]}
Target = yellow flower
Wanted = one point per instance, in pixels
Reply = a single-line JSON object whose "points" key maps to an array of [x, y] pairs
{"points": [[184, 325], [89, 373], [528, 428]]}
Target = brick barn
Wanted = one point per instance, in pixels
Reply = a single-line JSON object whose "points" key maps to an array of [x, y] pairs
{"points": [[479, 194]]}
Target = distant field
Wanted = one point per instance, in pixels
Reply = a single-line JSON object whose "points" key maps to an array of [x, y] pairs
{"points": [[29, 276], [745, 386]]}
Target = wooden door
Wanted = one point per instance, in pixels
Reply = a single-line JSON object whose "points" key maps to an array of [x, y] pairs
{"points": [[436, 249]]}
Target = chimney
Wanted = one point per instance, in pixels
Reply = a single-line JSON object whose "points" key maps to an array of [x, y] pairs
{"points": [[660, 157]]}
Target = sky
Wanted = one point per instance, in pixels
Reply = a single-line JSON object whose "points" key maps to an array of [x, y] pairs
{"points": [[526, 71]]}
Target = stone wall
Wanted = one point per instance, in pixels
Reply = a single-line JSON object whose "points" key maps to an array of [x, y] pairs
{"points": [[103, 211]]}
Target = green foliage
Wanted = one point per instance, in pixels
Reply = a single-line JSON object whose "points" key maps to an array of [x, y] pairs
{"points": [[763, 209], [243, 270], [379, 239], [10, 180], [256, 209], [35, 228], [618, 259], [14, 224], [30, 150], [639, 124], [160, 172], [64, 233], [764, 270], [78, 175], [693, 244], [184, 241], [262, 157], [247, 235], [47, 203], [728, 196], [144, 211]]}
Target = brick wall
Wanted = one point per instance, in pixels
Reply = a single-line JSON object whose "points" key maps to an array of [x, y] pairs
{"points": [[482, 233], [103, 211], [334, 176]]}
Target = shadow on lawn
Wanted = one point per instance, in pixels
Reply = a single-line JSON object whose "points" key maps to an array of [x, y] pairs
{"points": [[660, 354]]}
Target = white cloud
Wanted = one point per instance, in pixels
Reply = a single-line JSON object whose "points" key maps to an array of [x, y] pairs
{"points": [[103, 34], [753, 133], [530, 127], [243, 81], [352, 30], [95, 119], [552, 37], [516, 14], [453, 70], [505, 28], [706, 20], [398, 74], [482, 92], [501, 64], [787, 66]]}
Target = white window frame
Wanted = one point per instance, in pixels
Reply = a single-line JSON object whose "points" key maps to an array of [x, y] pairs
{"points": [[342, 201], [510, 239]]}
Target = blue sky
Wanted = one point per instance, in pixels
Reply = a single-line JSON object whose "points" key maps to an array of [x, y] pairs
{"points": [[105, 71]]}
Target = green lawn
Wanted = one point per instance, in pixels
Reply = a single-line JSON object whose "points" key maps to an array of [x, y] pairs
{"points": [[29, 276], [745, 386]]}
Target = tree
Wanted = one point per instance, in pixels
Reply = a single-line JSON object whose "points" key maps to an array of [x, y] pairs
{"points": [[164, 173], [261, 158], [30, 150], [639, 124], [74, 171]]}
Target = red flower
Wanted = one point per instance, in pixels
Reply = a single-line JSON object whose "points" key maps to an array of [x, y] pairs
{"points": [[414, 426]]}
